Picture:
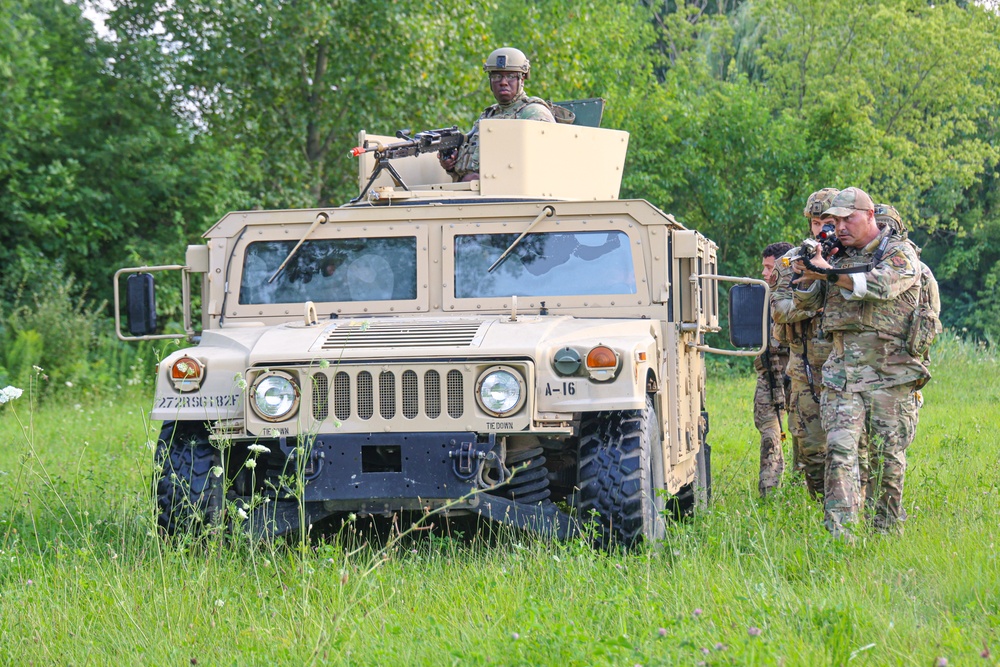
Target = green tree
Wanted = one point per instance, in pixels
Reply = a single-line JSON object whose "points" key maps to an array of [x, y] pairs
{"points": [[98, 170], [769, 100], [291, 83]]}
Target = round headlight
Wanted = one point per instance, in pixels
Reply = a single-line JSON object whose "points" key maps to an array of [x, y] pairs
{"points": [[500, 391], [275, 396]]}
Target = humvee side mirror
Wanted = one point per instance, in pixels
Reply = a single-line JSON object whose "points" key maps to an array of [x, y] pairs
{"points": [[140, 304], [746, 315]]}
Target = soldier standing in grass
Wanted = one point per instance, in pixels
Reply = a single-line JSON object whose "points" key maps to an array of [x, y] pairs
{"points": [[508, 69], [870, 377], [886, 215], [808, 351], [770, 395]]}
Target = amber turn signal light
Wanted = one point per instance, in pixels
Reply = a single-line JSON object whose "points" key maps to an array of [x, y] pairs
{"points": [[602, 357]]}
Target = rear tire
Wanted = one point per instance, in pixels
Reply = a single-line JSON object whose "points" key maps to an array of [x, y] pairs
{"points": [[188, 493], [620, 477], [694, 497]]}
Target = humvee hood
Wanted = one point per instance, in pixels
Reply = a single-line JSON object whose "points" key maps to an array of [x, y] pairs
{"points": [[407, 337]]}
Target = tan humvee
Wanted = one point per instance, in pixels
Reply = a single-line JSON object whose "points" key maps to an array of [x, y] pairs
{"points": [[526, 346]]}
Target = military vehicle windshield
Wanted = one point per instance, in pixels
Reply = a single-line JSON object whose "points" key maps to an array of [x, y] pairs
{"points": [[552, 263], [372, 269]]}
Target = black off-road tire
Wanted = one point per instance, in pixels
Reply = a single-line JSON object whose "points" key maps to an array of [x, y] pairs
{"points": [[618, 467], [188, 495]]}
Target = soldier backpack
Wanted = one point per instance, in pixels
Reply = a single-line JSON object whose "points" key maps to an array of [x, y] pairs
{"points": [[925, 323]]}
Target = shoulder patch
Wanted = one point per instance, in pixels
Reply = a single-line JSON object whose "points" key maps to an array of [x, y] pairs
{"points": [[899, 261]]}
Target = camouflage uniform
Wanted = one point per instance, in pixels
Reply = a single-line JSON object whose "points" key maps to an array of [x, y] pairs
{"points": [[887, 215], [769, 399], [521, 107], [808, 351], [869, 379]]}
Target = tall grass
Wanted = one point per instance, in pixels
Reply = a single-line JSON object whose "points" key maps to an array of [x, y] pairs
{"points": [[85, 579]]}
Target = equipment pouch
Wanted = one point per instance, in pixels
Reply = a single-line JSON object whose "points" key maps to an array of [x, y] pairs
{"points": [[562, 114], [782, 333], [925, 325]]}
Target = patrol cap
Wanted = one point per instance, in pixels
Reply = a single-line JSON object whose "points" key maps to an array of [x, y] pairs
{"points": [[886, 214], [819, 201], [507, 59], [848, 201]]}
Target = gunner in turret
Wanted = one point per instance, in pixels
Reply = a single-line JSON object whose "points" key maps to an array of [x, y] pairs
{"points": [[508, 69]]}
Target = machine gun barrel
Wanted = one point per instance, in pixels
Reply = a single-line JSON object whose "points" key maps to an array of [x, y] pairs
{"points": [[445, 139]]}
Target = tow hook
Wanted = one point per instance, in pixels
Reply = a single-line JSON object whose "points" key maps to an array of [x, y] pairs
{"points": [[313, 463], [464, 456], [468, 458]]}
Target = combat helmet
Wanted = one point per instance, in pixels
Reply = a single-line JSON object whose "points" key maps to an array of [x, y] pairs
{"points": [[819, 201], [507, 59], [886, 214]]}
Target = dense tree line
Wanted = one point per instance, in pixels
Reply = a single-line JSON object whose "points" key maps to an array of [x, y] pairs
{"points": [[121, 148]]}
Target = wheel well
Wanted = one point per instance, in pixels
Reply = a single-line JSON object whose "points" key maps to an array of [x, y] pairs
{"points": [[652, 384]]}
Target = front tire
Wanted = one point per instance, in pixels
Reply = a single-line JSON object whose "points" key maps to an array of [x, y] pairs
{"points": [[621, 477], [188, 491]]}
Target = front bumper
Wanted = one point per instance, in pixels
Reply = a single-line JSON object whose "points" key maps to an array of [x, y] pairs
{"points": [[382, 472]]}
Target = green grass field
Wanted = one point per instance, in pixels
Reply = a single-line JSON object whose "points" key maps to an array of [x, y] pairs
{"points": [[85, 580]]}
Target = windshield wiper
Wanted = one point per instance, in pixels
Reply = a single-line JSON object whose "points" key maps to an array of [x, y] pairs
{"points": [[547, 212], [322, 218]]}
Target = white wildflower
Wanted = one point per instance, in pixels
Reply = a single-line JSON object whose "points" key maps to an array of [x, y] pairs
{"points": [[241, 513], [9, 393], [324, 363], [216, 471], [251, 464], [259, 449], [69, 384], [219, 603]]}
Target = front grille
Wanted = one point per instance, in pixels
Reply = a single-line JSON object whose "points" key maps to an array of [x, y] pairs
{"points": [[387, 394], [454, 394], [395, 391], [411, 397], [432, 394], [366, 402], [403, 334], [321, 397], [341, 395]]}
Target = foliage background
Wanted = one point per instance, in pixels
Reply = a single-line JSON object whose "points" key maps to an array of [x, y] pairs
{"points": [[118, 149]]}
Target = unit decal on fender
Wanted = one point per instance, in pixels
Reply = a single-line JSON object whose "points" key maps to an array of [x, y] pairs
{"points": [[564, 388], [217, 401]]}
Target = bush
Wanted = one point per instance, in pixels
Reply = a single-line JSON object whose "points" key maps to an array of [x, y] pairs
{"points": [[47, 321]]}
